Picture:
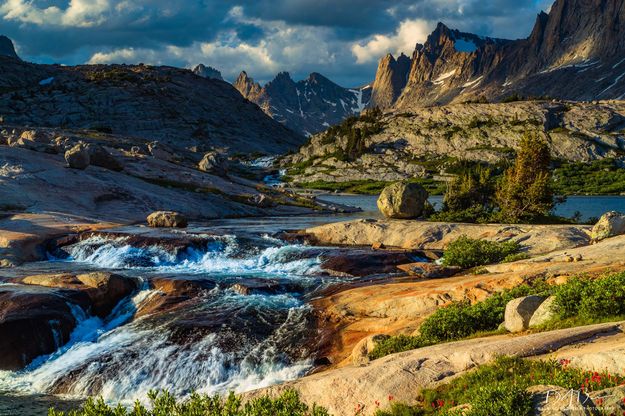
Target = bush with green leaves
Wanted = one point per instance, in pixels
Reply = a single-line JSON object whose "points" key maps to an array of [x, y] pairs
{"points": [[468, 252], [591, 299], [165, 404]]}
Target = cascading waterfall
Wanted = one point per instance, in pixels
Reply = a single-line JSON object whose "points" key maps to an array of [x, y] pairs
{"points": [[225, 341]]}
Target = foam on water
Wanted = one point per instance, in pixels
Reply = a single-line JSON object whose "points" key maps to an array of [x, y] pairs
{"points": [[122, 358], [220, 255]]}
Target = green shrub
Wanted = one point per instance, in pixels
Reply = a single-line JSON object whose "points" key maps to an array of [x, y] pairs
{"points": [[505, 399], [468, 252], [459, 320], [591, 299], [165, 404]]}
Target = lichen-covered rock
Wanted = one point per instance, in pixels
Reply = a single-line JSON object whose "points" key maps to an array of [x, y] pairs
{"points": [[545, 313], [214, 162], [403, 200], [167, 219], [78, 157], [609, 225], [519, 312]]}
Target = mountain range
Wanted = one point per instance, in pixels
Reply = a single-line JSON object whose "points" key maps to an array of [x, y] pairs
{"points": [[307, 106], [576, 52]]}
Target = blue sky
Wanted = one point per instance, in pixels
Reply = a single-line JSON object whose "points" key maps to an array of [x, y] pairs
{"points": [[342, 39]]}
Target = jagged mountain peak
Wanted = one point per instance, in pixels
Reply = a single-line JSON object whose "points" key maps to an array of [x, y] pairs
{"points": [[207, 72], [7, 48]]}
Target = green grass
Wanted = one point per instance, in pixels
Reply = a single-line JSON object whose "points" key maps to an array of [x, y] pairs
{"points": [[165, 404], [369, 187], [500, 388]]}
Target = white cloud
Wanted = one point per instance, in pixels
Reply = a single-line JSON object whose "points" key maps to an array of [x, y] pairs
{"points": [[79, 13], [407, 35]]}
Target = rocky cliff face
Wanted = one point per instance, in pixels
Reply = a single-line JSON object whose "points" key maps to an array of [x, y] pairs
{"points": [[575, 52], [167, 104], [307, 106], [424, 142], [7, 48], [390, 80], [207, 72]]}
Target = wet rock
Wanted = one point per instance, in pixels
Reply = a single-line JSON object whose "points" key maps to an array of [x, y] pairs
{"points": [[104, 290], [167, 219], [403, 201], [215, 163], [519, 312], [360, 353], [32, 323], [545, 313], [78, 157], [609, 225], [428, 270], [241, 290], [99, 156], [364, 262]]}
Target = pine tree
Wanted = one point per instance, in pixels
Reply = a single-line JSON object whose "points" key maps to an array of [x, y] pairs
{"points": [[525, 192]]}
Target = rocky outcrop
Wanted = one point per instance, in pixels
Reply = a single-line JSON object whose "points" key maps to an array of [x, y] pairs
{"points": [[425, 141], [364, 262], [78, 157], [33, 322], [7, 48], [166, 219], [99, 156], [424, 235], [403, 201], [214, 162], [519, 312], [307, 106], [390, 80], [149, 103], [609, 225], [207, 72]]}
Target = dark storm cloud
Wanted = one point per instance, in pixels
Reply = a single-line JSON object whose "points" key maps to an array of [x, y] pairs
{"points": [[262, 36]]}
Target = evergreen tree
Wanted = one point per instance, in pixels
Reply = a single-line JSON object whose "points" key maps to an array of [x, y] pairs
{"points": [[525, 193]]}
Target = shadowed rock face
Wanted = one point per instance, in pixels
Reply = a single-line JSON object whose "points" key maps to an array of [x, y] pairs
{"points": [[307, 106], [171, 105], [7, 48], [575, 52], [390, 80]]}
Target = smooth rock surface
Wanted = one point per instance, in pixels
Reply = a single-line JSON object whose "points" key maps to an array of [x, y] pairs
{"points": [[544, 313], [519, 312]]}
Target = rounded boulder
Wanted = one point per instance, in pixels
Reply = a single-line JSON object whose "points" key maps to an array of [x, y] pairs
{"points": [[167, 219], [403, 201]]}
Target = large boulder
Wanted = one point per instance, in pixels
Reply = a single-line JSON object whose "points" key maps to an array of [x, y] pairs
{"points": [[33, 322], [519, 312], [99, 156], [215, 163], [78, 157], [167, 219], [545, 313], [403, 200], [609, 225]]}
